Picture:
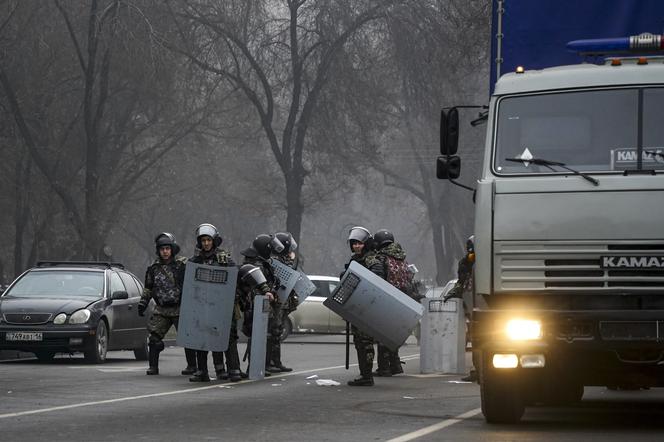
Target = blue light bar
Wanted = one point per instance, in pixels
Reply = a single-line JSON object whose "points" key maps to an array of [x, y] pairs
{"points": [[636, 43]]}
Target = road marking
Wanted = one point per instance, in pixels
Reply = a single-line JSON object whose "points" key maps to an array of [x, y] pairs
{"points": [[436, 427], [166, 393]]}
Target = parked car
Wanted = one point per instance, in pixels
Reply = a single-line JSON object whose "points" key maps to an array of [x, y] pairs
{"points": [[69, 307], [311, 315]]}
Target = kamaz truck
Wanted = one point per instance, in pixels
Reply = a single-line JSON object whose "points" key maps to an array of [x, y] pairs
{"points": [[569, 219]]}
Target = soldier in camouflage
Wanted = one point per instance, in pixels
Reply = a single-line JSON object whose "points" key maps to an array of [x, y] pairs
{"points": [[258, 255], [288, 257], [163, 283], [389, 362], [359, 240], [209, 252]]}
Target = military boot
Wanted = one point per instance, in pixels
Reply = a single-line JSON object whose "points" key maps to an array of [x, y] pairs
{"points": [[365, 362], [362, 382], [383, 360], [269, 365], [276, 357], [219, 367], [190, 355], [201, 374], [233, 362], [395, 363], [153, 360]]}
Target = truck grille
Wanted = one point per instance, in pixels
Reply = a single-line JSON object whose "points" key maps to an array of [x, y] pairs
{"points": [[562, 266]]}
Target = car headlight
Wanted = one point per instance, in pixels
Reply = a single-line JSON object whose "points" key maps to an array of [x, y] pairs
{"points": [[523, 329], [80, 316], [60, 319]]}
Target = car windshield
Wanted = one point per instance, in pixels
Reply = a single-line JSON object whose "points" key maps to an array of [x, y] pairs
{"points": [[48, 284], [591, 131]]}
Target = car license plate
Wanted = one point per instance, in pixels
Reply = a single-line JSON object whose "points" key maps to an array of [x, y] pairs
{"points": [[23, 336]]}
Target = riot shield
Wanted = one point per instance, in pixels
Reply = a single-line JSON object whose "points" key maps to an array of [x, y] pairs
{"points": [[206, 311], [291, 280], [259, 337], [374, 306]]}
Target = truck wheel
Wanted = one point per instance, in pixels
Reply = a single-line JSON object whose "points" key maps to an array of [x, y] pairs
{"points": [[502, 402]]}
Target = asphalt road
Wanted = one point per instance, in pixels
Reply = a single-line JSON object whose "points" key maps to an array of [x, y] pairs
{"points": [[70, 400]]}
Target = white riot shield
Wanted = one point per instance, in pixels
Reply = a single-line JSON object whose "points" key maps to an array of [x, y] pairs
{"points": [[259, 337], [374, 306], [291, 280], [206, 311]]}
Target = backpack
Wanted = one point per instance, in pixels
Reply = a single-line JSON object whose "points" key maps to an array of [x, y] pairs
{"points": [[399, 276]]}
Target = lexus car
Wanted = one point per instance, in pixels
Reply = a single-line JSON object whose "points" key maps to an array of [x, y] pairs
{"points": [[71, 307]]}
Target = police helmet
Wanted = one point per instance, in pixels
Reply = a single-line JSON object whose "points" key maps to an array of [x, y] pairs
{"points": [[265, 245], [470, 244], [382, 238], [207, 229], [251, 275], [166, 239], [286, 238]]}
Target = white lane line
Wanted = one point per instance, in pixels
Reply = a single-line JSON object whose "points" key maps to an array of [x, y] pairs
{"points": [[166, 393], [436, 427]]}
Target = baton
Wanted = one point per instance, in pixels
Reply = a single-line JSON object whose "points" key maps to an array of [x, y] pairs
{"points": [[347, 345]]}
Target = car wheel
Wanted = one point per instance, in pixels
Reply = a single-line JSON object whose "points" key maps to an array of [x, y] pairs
{"points": [[141, 353], [45, 355], [287, 330], [96, 353]]}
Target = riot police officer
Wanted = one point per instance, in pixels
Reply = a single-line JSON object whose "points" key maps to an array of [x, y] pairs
{"points": [[163, 283], [464, 285], [262, 247], [287, 256], [209, 252], [359, 240], [386, 249]]}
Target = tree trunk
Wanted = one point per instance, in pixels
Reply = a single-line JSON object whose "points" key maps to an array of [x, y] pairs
{"points": [[294, 206]]}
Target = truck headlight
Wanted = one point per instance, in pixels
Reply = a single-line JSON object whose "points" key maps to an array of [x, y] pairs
{"points": [[523, 329]]}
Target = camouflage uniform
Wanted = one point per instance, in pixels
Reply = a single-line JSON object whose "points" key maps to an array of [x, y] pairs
{"points": [[220, 257], [274, 324], [364, 343], [163, 283], [389, 362], [286, 308]]}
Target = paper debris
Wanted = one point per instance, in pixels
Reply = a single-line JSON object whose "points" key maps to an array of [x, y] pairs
{"points": [[313, 376], [327, 382]]}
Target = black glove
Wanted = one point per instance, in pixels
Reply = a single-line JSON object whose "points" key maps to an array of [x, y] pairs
{"points": [[141, 308], [455, 292]]}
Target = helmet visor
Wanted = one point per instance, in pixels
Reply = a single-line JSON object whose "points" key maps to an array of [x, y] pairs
{"points": [[276, 245], [359, 234]]}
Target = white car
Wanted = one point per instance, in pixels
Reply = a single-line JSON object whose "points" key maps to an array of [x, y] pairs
{"points": [[311, 315]]}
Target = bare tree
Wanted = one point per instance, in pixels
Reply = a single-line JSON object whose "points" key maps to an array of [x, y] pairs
{"points": [[279, 54], [108, 106]]}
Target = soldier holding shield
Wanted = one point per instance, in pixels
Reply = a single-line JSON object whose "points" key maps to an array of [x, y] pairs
{"points": [[359, 240], [258, 255], [209, 252]]}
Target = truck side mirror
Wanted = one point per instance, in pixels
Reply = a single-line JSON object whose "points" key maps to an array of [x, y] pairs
{"points": [[449, 131], [448, 167]]}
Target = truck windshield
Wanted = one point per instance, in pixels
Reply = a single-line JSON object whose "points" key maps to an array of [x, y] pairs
{"points": [[591, 131]]}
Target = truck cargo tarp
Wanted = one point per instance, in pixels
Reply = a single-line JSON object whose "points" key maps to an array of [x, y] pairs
{"points": [[536, 32]]}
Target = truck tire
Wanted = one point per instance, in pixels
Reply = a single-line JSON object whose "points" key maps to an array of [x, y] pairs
{"points": [[502, 401]]}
